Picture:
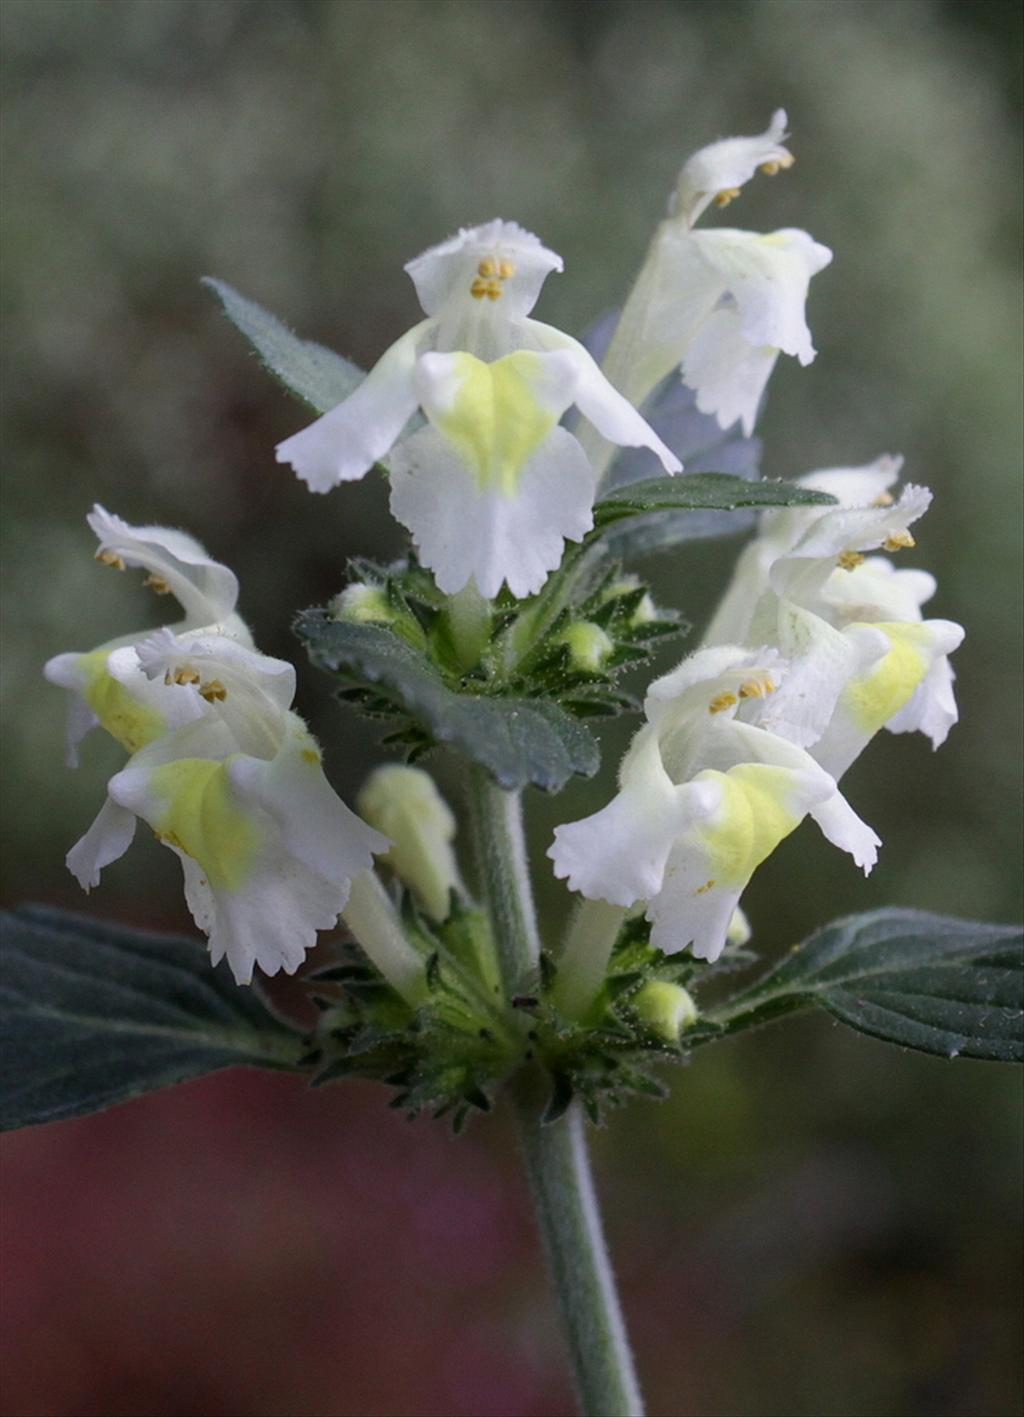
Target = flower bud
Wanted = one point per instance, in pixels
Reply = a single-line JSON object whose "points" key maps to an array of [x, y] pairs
{"points": [[362, 604], [405, 805], [739, 931], [589, 646], [666, 1009], [645, 611]]}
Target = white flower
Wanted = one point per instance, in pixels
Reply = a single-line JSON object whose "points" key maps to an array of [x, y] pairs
{"points": [[704, 797], [723, 304], [117, 696], [236, 789], [862, 655], [491, 487]]}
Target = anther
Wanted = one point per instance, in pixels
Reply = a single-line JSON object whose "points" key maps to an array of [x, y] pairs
{"points": [[884, 499], [478, 289], [487, 268], [757, 688], [158, 584], [721, 702], [506, 269], [702, 890], [111, 558], [850, 560], [186, 674], [776, 164], [213, 691], [899, 541], [726, 195]]}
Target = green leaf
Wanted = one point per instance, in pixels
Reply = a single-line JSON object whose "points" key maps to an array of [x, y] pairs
{"points": [[95, 1013], [701, 491], [518, 740], [930, 982], [320, 377]]}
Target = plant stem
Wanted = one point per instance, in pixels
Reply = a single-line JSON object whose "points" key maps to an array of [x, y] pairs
{"points": [[558, 1169], [374, 922], [584, 959], [501, 851]]}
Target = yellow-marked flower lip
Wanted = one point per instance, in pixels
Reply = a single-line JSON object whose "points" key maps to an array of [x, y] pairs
{"points": [[876, 696], [496, 415], [203, 819], [756, 813], [132, 723]]}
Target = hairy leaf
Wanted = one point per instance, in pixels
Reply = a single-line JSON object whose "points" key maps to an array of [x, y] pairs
{"points": [[518, 740], [930, 982], [320, 377], [95, 1013]]}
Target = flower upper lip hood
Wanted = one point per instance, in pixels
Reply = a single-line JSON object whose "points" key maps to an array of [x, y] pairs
{"points": [[492, 487], [722, 168]]}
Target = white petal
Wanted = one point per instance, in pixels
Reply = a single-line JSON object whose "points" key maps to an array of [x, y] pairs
{"points": [[876, 590], [107, 840], [823, 660], [855, 486], [445, 274], [841, 826], [862, 528], [932, 710], [612, 415], [206, 590], [728, 374], [728, 164], [345, 443], [768, 277], [463, 531]]}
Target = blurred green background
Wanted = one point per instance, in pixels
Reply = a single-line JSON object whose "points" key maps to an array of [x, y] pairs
{"points": [[814, 1223]]}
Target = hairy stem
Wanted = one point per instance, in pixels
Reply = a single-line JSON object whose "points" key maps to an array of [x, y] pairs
{"points": [[505, 876], [558, 1169]]}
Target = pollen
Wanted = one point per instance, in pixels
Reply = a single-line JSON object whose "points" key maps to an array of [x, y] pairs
{"points": [[213, 691], [850, 560], [721, 702], [158, 584], [899, 541], [111, 558], [757, 688], [185, 674], [726, 195], [490, 288], [703, 890]]}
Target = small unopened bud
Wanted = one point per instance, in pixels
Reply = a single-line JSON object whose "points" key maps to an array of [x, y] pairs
{"points": [[589, 646], [666, 1009], [362, 604], [645, 610], [405, 805], [739, 930]]}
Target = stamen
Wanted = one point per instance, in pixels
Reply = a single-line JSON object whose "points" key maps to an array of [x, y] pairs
{"points": [[726, 195], [721, 702], [884, 499], [506, 269], [185, 674], [776, 164], [111, 558], [158, 584], [757, 688], [703, 890], [480, 288], [850, 560], [899, 541], [488, 267], [213, 691]]}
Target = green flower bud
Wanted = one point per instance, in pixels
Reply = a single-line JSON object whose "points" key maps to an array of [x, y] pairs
{"points": [[646, 610], [405, 805], [739, 930], [666, 1009], [363, 604], [589, 646]]}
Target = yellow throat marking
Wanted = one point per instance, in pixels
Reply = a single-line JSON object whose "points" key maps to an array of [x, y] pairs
{"points": [[496, 421], [131, 723], [754, 817], [202, 820], [873, 698]]}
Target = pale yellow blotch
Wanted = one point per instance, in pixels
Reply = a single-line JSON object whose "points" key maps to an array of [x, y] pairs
{"points": [[131, 723], [202, 819], [754, 816], [721, 702], [873, 699], [707, 886], [496, 420], [726, 195], [850, 560], [899, 541], [111, 558]]}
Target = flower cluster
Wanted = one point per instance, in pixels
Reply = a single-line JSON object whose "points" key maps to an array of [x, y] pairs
{"points": [[818, 643], [816, 646], [220, 768]]}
